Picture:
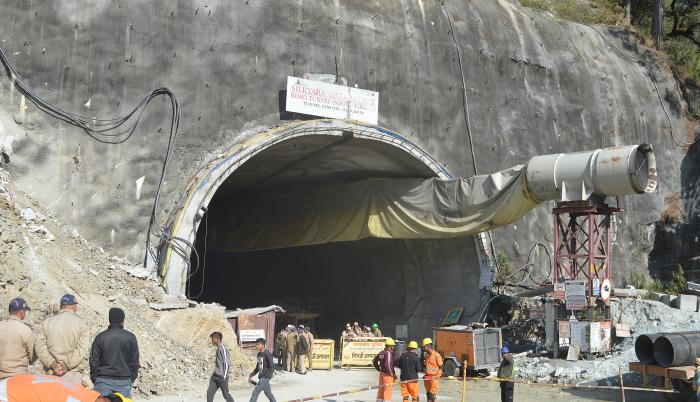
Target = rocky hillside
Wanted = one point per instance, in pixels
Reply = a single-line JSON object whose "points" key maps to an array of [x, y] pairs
{"points": [[534, 84], [41, 260]]}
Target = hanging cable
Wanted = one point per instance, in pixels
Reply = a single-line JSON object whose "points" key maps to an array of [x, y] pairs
{"points": [[109, 131], [465, 105], [647, 67], [204, 254]]}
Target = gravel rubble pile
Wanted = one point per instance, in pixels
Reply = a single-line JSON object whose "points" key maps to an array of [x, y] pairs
{"points": [[42, 259], [643, 316]]}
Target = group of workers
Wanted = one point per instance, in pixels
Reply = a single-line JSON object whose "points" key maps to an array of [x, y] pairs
{"points": [[72, 368], [357, 331], [410, 365], [294, 348]]}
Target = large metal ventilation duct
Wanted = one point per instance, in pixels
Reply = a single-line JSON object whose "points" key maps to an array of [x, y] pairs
{"points": [[603, 172]]}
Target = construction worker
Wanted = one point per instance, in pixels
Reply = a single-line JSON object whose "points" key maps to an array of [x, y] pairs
{"points": [[375, 331], [409, 363], [63, 343], [43, 388], [222, 369], [16, 341], [310, 337], [432, 371], [302, 349], [348, 333], [114, 357], [506, 374], [384, 363], [357, 329], [291, 349]]}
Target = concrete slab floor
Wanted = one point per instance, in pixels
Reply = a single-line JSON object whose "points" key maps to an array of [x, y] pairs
{"points": [[293, 386]]}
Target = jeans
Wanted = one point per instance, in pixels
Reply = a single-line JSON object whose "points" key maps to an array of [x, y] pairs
{"points": [[216, 382], [107, 386], [263, 386]]}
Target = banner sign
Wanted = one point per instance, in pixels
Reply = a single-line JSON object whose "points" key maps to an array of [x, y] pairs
{"points": [[537, 313], [559, 291], [333, 101], [322, 354], [575, 295], [360, 351], [251, 335]]}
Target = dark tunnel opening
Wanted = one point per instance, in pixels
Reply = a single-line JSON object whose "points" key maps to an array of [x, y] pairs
{"points": [[387, 281]]}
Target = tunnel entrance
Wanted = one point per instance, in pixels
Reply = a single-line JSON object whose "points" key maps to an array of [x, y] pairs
{"points": [[387, 281]]}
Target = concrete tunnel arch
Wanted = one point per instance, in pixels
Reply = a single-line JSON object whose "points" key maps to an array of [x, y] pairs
{"points": [[280, 151]]}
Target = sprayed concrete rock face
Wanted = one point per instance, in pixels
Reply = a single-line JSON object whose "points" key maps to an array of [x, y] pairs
{"points": [[535, 85]]}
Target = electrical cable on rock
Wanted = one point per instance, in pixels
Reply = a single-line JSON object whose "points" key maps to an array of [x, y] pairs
{"points": [[113, 131]]}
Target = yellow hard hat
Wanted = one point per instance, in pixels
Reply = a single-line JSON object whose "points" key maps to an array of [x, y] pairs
{"points": [[697, 361], [122, 397], [427, 341], [389, 342], [413, 345]]}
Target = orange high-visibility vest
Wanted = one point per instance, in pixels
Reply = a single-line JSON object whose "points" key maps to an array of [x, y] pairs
{"points": [[433, 364], [39, 388]]}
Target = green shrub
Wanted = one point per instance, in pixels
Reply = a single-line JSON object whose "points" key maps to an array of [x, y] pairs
{"points": [[676, 284], [542, 5], [504, 268], [684, 54]]}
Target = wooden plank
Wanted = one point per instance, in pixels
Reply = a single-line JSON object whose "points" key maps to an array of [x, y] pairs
{"points": [[682, 373]]}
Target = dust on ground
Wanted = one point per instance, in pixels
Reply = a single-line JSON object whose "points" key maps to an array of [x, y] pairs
{"points": [[288, 386], [42, 259]]}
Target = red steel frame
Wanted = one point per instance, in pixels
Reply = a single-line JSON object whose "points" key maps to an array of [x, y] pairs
{"points": [[582, 242]]}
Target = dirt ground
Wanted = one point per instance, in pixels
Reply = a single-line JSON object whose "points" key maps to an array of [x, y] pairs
{"points": [[287, 387]]}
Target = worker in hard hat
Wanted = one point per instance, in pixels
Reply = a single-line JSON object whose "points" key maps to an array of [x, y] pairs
{"points": [[432, 371], [506, 374], [375, 331], [384, 363], [409, 363], [41, 388]]}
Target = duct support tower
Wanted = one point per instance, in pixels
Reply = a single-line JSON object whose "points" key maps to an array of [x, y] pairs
{"points": [[582, 243]]}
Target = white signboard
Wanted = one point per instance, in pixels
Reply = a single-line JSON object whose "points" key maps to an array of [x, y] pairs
{"points": [[251, 335], [605, 289], [333, 101], [575, 295]]}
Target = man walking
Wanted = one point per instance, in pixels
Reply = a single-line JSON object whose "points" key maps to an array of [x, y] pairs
{"points": [[506, 373], [409, 363], [16, 341], [265, 370], [63, 344], [310, 355], [291, 349], [384, 363], [302, 350], [219, 379], [433, 370], [114, 358]]}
